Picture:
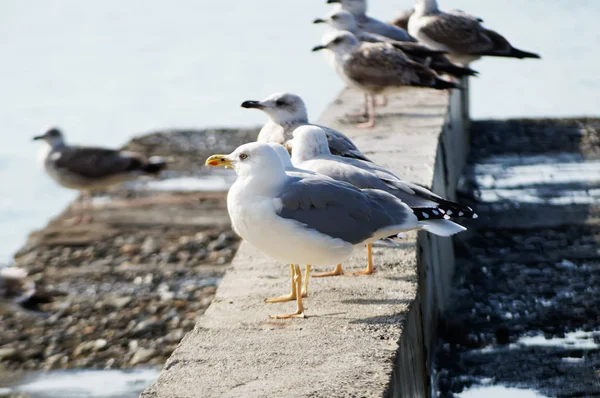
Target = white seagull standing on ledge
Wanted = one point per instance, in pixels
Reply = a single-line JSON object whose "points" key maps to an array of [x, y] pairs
{"points": [[310, 152], [90, 169], [305, 220]]}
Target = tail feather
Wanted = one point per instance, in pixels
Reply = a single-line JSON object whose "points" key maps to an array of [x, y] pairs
{"points": [[155, 165], [441, 84], [451, 69], [441, 227], [515, 52]]}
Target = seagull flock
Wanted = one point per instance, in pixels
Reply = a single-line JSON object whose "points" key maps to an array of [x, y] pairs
{"points": [[304, 193]]}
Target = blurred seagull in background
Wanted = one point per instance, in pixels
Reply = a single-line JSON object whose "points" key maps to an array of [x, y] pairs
{"points": [[460, 34], [19, 293], [305, 220], [378, 68], [287, 112], [358, 8], [89, 169]]}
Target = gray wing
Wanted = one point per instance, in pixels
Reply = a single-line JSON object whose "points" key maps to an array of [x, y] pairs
{"points": [[462, 34], [96, 162], [373, 25], [382, 65], [341, 210], [341, 145], [409, 48], [370, 176]]}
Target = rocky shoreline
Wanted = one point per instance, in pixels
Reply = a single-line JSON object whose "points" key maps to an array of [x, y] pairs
{"points": [[129, 286]]}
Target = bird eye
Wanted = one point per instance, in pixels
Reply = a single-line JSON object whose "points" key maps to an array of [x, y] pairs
{"points": [[243, 156], [334, 17], [279, 103], [337, 41]]}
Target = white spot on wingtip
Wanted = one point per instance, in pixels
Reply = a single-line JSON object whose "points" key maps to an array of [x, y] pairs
{"points": [[475, 216], [435, 212], [460, 214], [425, 214], [449, 212]]}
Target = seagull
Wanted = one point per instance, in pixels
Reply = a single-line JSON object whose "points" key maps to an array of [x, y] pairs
{"points": [[460, 34], [358, 8], [89, 169], [292, 171], [310, 152], [435, 59], [18, 293], [286, 112], [402, 19], [377, 68], [305, 220]]}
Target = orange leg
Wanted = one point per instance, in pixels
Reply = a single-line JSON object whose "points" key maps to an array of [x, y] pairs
{"points": [[369, 269], [337, 271], [299, 306]]}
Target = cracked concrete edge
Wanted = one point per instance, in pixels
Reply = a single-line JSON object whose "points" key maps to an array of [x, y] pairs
{"points": [[364, 336]]}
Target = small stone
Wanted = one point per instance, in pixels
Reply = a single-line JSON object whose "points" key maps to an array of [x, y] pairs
{"points": [[142, 355], [7, 353], [130, 248], [117, 302], [149, 246]]}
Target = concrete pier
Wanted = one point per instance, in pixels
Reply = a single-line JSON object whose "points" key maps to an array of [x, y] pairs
{"points": [[367, 336]]}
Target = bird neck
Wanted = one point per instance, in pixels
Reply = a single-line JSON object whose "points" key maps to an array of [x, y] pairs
{"points": [[302, 152], [424, 7], [267, 182]]}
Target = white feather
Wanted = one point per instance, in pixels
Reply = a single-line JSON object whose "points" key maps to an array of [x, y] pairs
{"points": [[442, 227]]}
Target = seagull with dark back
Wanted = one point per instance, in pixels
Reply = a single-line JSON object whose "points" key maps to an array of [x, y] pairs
{"points": [[90, 169], [460, 34], [378, 68]]}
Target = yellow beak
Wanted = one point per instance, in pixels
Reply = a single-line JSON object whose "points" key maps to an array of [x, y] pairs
{"points": [[218, 160]]}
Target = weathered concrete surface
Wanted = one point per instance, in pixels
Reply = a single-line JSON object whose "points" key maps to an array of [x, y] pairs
{"points": [[530, 265], [349, 344]]}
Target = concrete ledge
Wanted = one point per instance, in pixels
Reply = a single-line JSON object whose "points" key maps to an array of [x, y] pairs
{"points": [[364, 336]]}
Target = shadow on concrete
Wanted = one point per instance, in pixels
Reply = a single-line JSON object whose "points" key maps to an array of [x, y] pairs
{"points": [[377, 301]]}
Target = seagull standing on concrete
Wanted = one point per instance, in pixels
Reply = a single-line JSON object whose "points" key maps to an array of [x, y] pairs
{"points": [[460, 34], [358, 8], [89, 169], [287, 112], [305, 220], [378, 68], [310, 152], [435, 59]]}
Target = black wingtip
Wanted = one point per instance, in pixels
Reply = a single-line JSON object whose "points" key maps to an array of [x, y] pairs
{"points": [[524, 54], [441, 84]]}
